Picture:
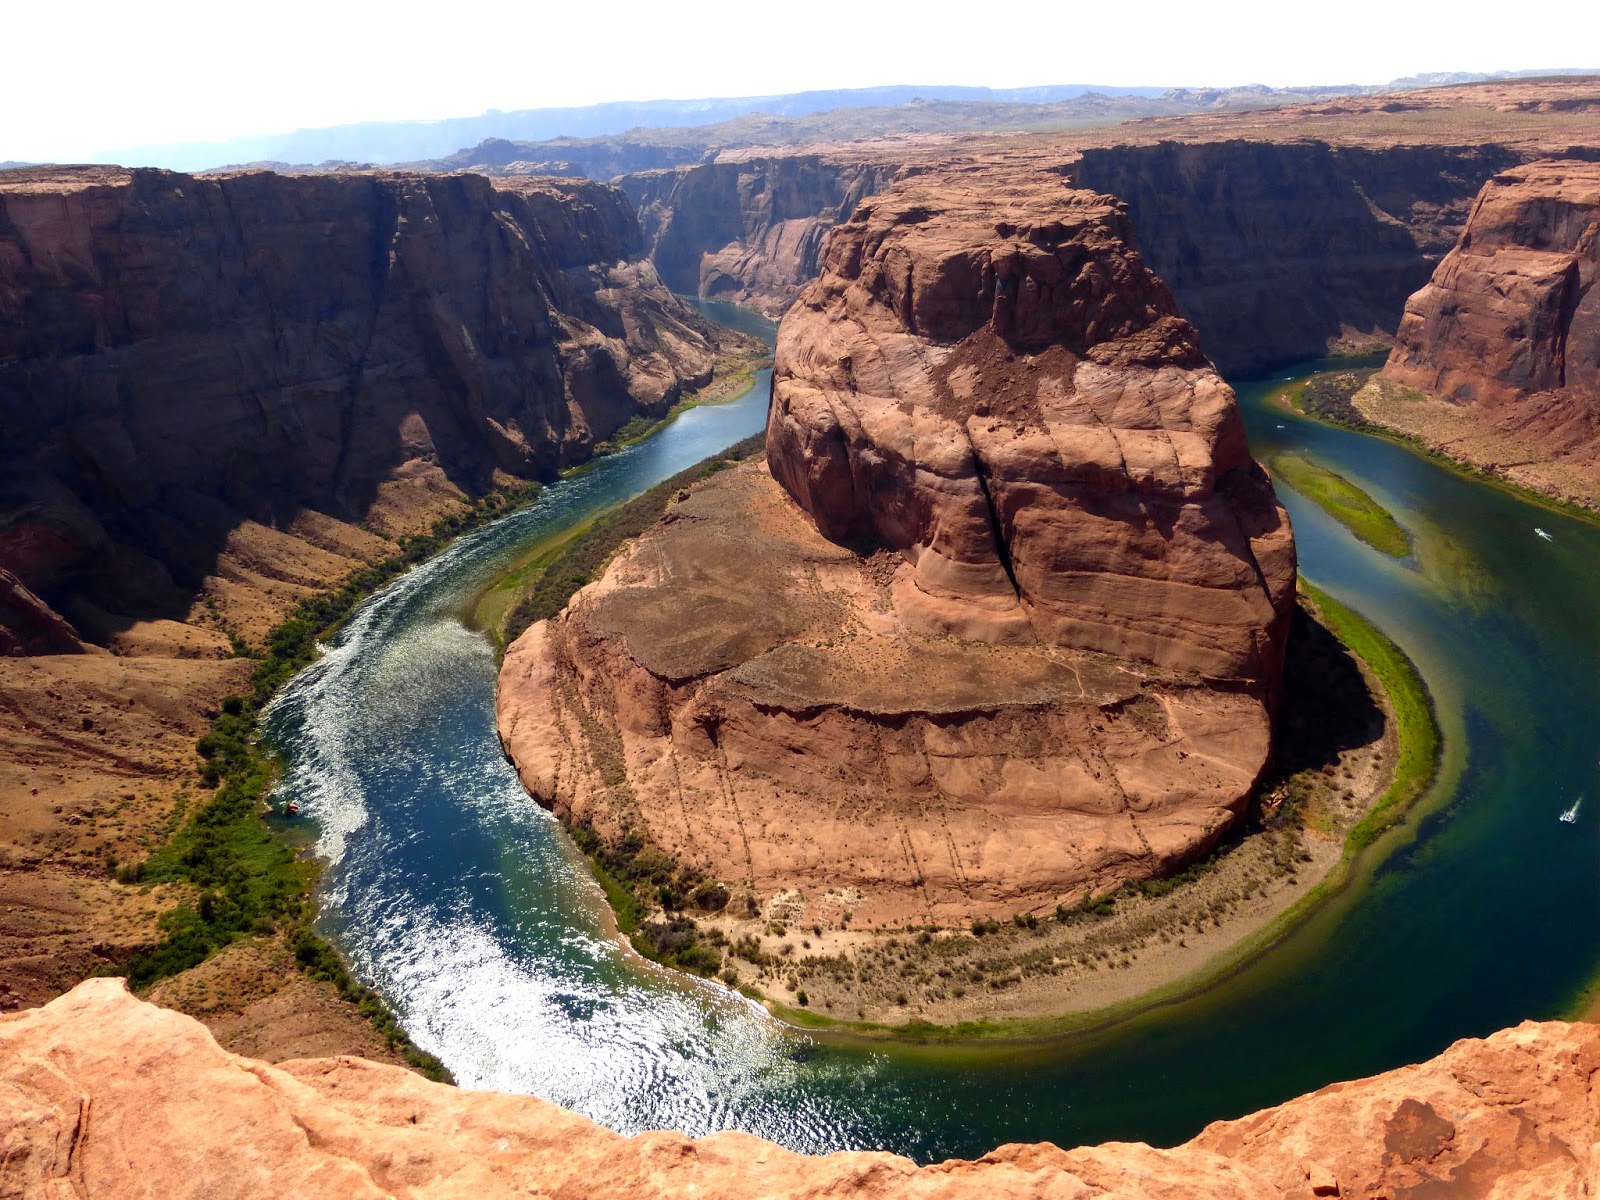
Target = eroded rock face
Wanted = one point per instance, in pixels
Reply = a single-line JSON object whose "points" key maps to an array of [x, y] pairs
{"points": [[104, 1096], [180, 356], [988, 380], [1277, 252], [1001, 628], [750, 230], [1512, 310], [1508, 332]]}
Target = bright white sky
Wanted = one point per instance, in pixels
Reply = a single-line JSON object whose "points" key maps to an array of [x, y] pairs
{"points": [[81, 77]]}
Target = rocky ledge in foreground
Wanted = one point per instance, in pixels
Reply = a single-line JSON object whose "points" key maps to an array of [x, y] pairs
{"points": [[102, 1095], [1497, 360], [1001, 628]]}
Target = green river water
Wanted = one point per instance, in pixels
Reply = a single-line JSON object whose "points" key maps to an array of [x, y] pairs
{"points": [[468, 908]]}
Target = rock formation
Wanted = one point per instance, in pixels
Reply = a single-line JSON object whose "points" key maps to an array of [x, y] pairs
{"points": [[1504, 342], [103, 1096], [749, 229], [1004, 632], [182, 356]]}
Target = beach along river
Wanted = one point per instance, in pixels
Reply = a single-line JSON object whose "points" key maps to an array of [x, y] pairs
{"points": [[466, 906]]}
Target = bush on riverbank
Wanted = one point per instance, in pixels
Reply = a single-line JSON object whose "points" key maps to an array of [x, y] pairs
{"points": [[1328, 397]]}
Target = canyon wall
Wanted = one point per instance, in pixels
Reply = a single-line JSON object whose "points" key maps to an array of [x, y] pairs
{"points": [[749, 230], [1497, 359], [103, 1096], [1277, 251], [1002, 627], [183, 357]]}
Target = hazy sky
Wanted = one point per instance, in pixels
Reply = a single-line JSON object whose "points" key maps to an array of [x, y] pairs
{"points": [[95, 74]]}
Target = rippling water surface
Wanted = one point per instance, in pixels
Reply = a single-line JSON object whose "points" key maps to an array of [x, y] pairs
{"points": [[467, 907]]}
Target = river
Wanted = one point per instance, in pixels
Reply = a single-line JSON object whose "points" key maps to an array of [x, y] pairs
{"points": [[469, 910]]}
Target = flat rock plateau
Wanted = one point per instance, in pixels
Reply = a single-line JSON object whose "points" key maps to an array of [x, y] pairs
{"points": [[1001, 623], [104, 1096], [1497, 359]]}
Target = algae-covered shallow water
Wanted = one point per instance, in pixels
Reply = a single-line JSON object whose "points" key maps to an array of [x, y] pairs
{"points": [[467, 907]]}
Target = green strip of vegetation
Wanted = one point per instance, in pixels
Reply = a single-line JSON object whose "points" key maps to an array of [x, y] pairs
{"points": [[251, 882], [1345, 503], [585, 556], [649, 891], [1416, 725]]}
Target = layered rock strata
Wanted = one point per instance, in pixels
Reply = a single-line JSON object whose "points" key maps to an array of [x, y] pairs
{"points": [[1280, 252], [181, 357], [103, 1096], [1497, 359], [749, 229], [1002, 626]]}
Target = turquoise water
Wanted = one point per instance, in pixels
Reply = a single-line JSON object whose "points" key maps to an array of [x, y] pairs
{"points": [[467, 907]]}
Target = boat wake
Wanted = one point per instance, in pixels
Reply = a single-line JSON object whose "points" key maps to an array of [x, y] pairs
{"points": [[1570, 817]]}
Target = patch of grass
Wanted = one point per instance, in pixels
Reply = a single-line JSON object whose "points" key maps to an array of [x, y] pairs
{"points": [[1345, 502]]}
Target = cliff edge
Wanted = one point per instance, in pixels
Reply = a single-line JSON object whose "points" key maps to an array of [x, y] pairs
{"points": [[1497, 359], [188, 361], [102, 1095]]}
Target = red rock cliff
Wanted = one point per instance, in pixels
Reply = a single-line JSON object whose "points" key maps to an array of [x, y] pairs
{"points": [[1504, 342], [103, 1096], [181, 355], [988, 380]]}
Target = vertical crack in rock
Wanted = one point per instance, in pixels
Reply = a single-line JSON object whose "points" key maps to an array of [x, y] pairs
{"points": [[1002, 546]]}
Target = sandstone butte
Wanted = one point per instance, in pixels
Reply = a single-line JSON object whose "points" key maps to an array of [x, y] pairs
{"points": [[998, 626], [1504, 342], [102, 1095]]}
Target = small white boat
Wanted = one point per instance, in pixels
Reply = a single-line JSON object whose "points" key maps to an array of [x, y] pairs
{"points": [[1282, 426], [1543, 534], [1570, 817]]}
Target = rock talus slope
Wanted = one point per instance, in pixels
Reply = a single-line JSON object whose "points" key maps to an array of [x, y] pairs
{"points": [[104, 1096], [1001, 628], [1504, 342]]}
